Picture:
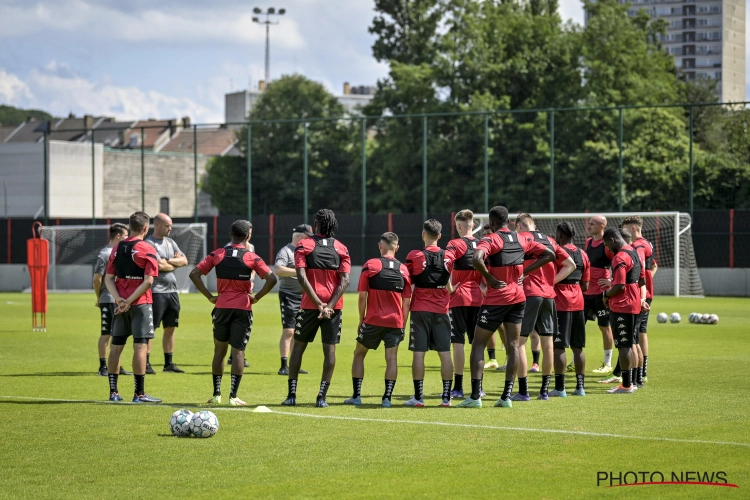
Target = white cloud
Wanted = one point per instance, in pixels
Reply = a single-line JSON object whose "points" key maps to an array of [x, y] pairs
{"points": [[571, 9], [12, 88]]}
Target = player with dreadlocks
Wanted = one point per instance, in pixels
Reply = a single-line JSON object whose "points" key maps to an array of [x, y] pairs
{"points": [[322, 264]]}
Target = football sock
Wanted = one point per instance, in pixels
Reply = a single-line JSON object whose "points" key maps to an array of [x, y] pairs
{"points": [[284, 362], [447, 389], [113, 382], [292, 383], [236, 379], [632, 374], [102, 362], [491, 353], [535, 356], [217, 384], [645, 365], [545, 384], [323, 390], [389, 385], [148, 358], [579, 380], [476, 386], [418, 389], [523, 385], [559, 382], [617, 371], [626, 381], [167, 358], [508, 389], [139, 384], [639, 375], [608, 356], [459, 385], [357, 387]]}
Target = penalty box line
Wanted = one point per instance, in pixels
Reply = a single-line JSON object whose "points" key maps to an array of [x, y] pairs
{"points": [[412, 422]]}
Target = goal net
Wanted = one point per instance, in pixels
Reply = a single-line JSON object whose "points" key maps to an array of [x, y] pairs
{"points": [[73, 251], [668, 232]]}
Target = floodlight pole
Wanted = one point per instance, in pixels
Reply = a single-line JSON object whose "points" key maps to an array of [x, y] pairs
{"points": [[269, 12]]}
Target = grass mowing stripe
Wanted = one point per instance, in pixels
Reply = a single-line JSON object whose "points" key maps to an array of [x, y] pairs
{"points": [[413, 422]]}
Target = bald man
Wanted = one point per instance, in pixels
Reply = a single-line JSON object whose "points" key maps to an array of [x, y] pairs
{"points": [[166, 300], [600, 258]]}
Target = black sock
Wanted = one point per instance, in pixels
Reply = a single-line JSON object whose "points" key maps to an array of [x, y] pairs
{"points": [[639, 375], [535, 356], [523, 386], [236, 379], [645, 365], [559, 382], [148, 358], [389, 385], [617, 371], [626, 380], [284, 362], [113, 382], [579, 380], [217, 384], [102, 362], [476, 386], [292, 383], [447, 389], [167, 358], [356, 387], [418, 389], [491, 353], [632, 374], [508, 389], [545, 384], [140, 384], [324, 385], [459, 385]]}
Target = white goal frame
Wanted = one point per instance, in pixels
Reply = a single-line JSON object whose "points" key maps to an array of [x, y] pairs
{"points": [[481, 219]]}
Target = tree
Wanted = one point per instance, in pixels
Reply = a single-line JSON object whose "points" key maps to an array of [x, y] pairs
{"points": [[11, 116]]}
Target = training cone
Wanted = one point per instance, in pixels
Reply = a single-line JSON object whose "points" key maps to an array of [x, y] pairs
{"points": [[262, 409]]}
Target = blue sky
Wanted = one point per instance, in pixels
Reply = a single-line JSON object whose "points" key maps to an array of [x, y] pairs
{"points": [[173, 58]]}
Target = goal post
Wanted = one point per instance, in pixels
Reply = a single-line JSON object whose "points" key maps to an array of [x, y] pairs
{"points": [[73, 251], [669, 232]]}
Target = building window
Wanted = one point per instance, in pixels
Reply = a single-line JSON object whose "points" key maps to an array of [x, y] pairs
{"points": [[705, 50], [710, 21], [708, 35], [164, 205], [708, 9]]}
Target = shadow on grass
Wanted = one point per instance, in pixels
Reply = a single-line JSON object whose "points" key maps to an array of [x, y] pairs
{"points": [[53, 374], [100, 402]]}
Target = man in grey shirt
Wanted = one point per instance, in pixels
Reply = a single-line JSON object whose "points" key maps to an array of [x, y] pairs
{"points": [[104, 301], [290, 293], [164, 290]]}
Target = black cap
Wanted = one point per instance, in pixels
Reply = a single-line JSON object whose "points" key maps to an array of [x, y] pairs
{"points": [[304, 228]]}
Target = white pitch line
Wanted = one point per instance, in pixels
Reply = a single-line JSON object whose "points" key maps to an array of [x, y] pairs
{"points": [[413, 422]]}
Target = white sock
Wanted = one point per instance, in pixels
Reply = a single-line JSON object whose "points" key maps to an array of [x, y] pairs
{"points": [[608, 356]]}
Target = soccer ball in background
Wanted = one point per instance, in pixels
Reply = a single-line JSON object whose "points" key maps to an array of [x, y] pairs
{"points": [[204, 424], [705, 319], [179, 422], [693, 317], [662, 318], [713, 319], [675, 318]]}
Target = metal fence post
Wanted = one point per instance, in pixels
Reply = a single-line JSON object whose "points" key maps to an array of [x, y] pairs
{"points": [[304, 213], [195, 171], [364, 186], [424, 167], [249, 174], [691, 162], [93, 179], [552, 161], [143, 173], [486, 163], [619, 143], [46, 175]]}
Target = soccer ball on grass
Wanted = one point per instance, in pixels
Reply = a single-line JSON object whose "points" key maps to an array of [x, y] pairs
{"points": [[675, 318], [204, 424], [661, 317], [179, 422]]}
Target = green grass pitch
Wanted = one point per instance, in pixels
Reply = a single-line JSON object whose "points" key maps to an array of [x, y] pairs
{"points": [[691, 416]]}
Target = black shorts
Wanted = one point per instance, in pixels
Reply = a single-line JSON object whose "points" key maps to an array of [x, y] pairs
{"points": [[540, 314], [371, 336], [643, 320], [166, 309], [289, 304], [463, 323], [491, 317], [108, 316], [429, 331], [594, 309], [306, 327], [624, 327], [137, 321], [233, 326], [571, 327]]}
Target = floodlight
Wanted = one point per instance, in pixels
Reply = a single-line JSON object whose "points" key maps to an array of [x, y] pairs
{"points": [[257, 10], [282, 12], [271, 10]]}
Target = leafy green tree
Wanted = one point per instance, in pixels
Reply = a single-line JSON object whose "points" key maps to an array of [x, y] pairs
{"points": [[11, 116]]}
